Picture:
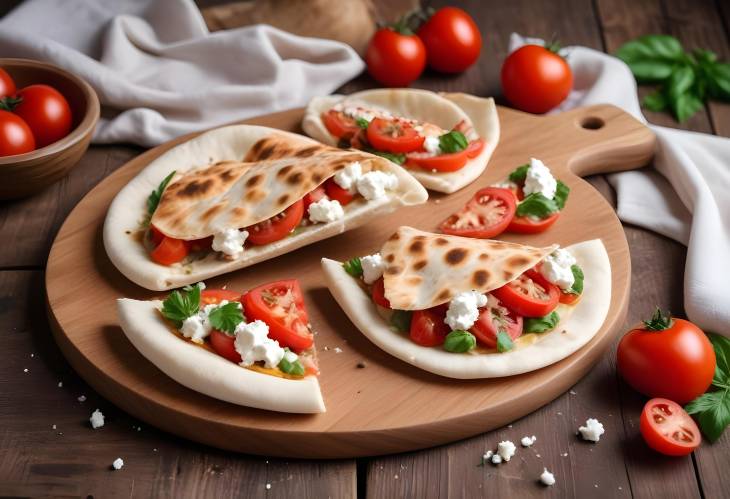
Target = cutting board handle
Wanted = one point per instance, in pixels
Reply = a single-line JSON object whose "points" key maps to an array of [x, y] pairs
{"points": [[606, 139]]}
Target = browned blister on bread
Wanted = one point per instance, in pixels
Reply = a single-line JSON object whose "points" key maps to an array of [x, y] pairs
{"points": [[425, 269]]}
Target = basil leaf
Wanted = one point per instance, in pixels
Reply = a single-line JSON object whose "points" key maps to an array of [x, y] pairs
{"points": [[179, 306], [577, 287], [353, 267], [652, 57], [401, 320], [518, 176], [154, 198], [719, 81], [226, 317], [656, 101], [561, 195], [397, 158], [721, 346], [541, 324], [453, 141], [651, 71], [504, 342], [680, 82], [537, 205], [685, 106], [459, 341], [362, 123], [295, 368]]}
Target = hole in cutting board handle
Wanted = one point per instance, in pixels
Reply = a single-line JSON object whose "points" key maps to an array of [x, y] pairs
{"points": [[592, 123]]}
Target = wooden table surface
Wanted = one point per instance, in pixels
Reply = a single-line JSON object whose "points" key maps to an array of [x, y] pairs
{"points": [[48, 448]]}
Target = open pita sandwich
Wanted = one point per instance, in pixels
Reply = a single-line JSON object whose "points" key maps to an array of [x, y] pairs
{"points": [[239, 195], [444, 140], [472, 308]]}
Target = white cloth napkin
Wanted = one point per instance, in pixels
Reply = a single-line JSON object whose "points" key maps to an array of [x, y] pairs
{"points": [[688, 199], [160, 73]]}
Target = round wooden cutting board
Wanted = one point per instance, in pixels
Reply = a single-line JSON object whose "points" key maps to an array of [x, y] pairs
{"points": [[387, 406]]}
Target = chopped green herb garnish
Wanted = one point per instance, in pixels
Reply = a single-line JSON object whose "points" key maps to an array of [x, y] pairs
{"points": [[295, 368], [397, 158], [504, 342], [520, 174], [226, 317], [453, 141], [459, 341], [154, 198], [401, 320], [362, 122], [353, 267], [537, 205], [541, 324], [181, 305]]}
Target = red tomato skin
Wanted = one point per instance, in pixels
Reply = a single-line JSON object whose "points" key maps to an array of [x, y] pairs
{"points": [[525, 225], [339, 125], [506, 198], [525, 306], [484, 331], [378, 293], [7, 85], [428, 328], [395, 60], [535, 80], [407, 141], [46, 111], [475, 148], [335, 192], [169, 251], [677, 363], [276, 228], [657, 439], [569, 298], [449, 162], [452, 39], [312, 197], [213, 296], [224, 345], [16, 136]]}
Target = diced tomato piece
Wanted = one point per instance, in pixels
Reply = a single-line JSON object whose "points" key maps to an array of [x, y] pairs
{"points": [[276, 227], [335, 192], [170, 251]]}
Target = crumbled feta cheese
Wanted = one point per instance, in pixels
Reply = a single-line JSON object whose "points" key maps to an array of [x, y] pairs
{"points": [[338, 350], [506, 450], [96, 419], [373, 184], [463, 310], [60, 384], [201, 285], [290, 356], [268, 486], [547, 478], [505, 185], [81, 398], [118, 463], [539, 179], [325, 210], [496, 459], [487, 455], [432, 145], [372, 268], [347, 177], [197, 327], [253, 344], [592, 430], [556, 268], [230, 242], [528, 441]]}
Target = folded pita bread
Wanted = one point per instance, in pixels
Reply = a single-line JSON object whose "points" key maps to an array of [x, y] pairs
{"points": [[444, 110], [577, 326], [213, 188], [209, 373]]}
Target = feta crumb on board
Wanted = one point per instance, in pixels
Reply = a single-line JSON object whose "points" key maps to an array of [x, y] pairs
{"points": [[528, 441], [81, 398], [556, 268], [229, 242], [463, 310], [325, 210], [372, 268], [496, 459], [118, 463], [592, 431], [547, 478], [506, 449], [96, 419], [539, 179], [253, 344]]}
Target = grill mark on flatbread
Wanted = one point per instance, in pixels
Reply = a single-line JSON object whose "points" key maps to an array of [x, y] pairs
{"points": [[196, 188], [419, 265], [393, 270], [440, 241], [284, 171], [283, 199], [212, 211], [416, 247], [254, 181], [389, 258], [307, 152], [295, 178], [518, 261], [444, 295], [456, 256], [255, 195], [480, 278]]}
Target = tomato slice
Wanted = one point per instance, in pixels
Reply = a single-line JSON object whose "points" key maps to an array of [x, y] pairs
{"points": [[393, 136], [449, 162], [169, 251], [313, 197], [475, 148], [224, 345], [156, 235], [527, 225], [280, 304], [339, 125], [213, 296], [530, 295], [486, 215], [200, 244], [667, 428], [494, 318], [276, 227], [569, 298], [378, 293], [428, 328], [334, 191]]}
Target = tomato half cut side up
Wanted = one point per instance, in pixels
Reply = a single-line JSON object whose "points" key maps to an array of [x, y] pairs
{"points": [[224, 345], [339, 125], [493, 318], [486, 215], [378, 293], [428, 328], [393, 136], [169, 251], [337, 193], [449, 162], [280, 304], [526, 225], [667, 428], [530, 295], [276, 227]]}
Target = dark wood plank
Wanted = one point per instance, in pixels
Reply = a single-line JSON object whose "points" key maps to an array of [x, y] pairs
{"points": [[73, 459]]}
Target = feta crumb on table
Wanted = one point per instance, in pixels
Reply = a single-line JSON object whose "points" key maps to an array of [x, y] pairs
{"points": [[118, 463], [592, 431], [547, 478], [528, 441], [81, 398], [496, 459], [96, 419], [506, 449]]}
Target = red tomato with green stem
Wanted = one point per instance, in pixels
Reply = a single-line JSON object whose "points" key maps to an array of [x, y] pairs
{"points": [[395, 57], [485, 216], [46, 112], [452, 39], [7, 85], [16, 136], [668, 429], [278, 226]]}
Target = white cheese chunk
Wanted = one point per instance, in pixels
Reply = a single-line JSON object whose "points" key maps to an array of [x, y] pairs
{"points": [[118, 463], [592, 431], [539, 179], [463, 310], [290, 356], [347, 177], [506, 450], [432, 145], [96, 419], [372, 268], [373, 184], [528, 441], [496, 459], [547, 478], [556, 268], [253, 344], [325, 210], [197, 327], [229, 242]]}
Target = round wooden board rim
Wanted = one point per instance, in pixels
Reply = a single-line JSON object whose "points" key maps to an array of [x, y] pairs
{"points": [[367, 408]]}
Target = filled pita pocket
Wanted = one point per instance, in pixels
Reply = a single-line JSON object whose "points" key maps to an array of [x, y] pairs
{"points": [[444, 140], [242, 194], [473, 308]]}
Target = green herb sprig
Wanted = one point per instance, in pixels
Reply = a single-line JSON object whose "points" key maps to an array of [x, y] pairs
{"points": [[453, 141], [226, 317], [353, 267], [154, 198], [180, 305], [578, 277], [712, 409], [295, 368], [541, 324], [504, 342]]}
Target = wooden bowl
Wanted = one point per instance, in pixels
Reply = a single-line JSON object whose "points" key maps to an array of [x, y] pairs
{"points": [[24, 174]]}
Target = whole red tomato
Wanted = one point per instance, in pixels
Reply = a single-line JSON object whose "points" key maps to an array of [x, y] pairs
{"points": [[668, 358], [15, 135], [395, 59], [7, 85], [535, 79], [452, 40], [46, 111]]}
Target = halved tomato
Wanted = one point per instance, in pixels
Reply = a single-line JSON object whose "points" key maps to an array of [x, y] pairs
{"points": [[667, 428], [213, 296], [334, 191], [313, 197], [527, 225], [224, 345], [393, 136], [378, 293], [486, 215], [276, 227], [449, 162], [280, 304], [428, 328], [530, 295], [156, 235], [339, 125], [475, 148], [493, 318], [169, 251]]}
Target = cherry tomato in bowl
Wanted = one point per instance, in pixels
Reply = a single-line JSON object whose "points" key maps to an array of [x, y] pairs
{"points": [[395, 59], [46, 112], [7, 85], [486, 215], [668, 429], [16, 136]]}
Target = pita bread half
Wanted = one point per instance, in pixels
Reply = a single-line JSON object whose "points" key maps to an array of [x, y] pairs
{"points": [[226, 147], [571, 333], [444, 110], [424, 269], [208, 373]]}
